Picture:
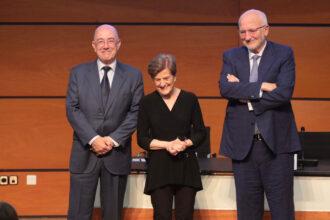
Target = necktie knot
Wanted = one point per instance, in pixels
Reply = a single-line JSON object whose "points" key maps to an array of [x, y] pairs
{"points": [[106, 69], [255, 57]]}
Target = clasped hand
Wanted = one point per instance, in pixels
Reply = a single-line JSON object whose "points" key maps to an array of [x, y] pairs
{"points": [[102, 145], [176, 146]]}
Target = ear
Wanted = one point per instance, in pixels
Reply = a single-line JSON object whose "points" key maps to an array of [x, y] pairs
{"points": [[118, 44], [94, 45], [266, 31]]}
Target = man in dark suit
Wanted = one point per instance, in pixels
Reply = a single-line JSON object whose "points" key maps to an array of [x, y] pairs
{"points": [[102, 106], [259, 132]]}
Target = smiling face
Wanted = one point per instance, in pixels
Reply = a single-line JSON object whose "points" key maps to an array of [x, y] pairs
{"points": [[106, 43], [253, 30], [164, 82]]}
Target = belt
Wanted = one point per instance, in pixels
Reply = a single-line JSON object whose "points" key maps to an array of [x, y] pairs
{"points": [[257, 137]]}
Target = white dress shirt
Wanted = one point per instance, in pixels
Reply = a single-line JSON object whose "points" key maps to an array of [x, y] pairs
{"points": [[251, 54], [111, 74]]}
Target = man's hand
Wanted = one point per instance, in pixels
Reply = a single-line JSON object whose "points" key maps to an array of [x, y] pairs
{"points": [[109, 141], [232, 78], [101, 145], [268, 87]]}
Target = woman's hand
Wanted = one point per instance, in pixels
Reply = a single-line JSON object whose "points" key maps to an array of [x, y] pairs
{"points": [[176, 146]]}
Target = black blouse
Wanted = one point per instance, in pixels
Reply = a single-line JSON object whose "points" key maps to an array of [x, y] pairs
{"points": [[156, 121]]}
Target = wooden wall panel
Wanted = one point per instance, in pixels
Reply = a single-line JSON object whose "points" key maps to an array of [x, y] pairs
{"points": [[118, 11], [313, 115], [37, 135], [198, 50], [283, 11], [312, 49], [48, 197], [38, 58], [38, 63], [289, 11], [135, 147], [34, 134], [213, 114], [278, 11]]}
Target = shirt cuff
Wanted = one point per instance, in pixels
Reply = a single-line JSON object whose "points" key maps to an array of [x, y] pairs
{"points": [[114, 142], [93, 139], [250, 107]]}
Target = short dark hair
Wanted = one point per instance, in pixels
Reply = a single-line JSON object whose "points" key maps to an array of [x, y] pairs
{"points": [[7, 212], [160, 62]]}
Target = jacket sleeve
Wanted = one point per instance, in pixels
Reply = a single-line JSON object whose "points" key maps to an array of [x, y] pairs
{"points": [[236, 90], [285, 85], [198, 128], [144, 137], [76, 117]]}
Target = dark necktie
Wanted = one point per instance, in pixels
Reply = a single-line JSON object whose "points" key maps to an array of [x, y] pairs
{"points": [[105, 86]]}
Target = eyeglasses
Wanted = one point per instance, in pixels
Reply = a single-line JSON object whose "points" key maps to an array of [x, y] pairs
{"points": [[251, 31], [101, 42]]}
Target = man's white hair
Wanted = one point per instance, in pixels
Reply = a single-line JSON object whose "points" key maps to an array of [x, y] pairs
{"points": [[109, 27], [259, 13]]}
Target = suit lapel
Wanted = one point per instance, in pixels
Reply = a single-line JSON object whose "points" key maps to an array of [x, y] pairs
{"points": [[94, 82], [245, 65], [118, 79], [266, 61]]}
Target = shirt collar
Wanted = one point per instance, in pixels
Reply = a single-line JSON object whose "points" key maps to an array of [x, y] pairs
{"points": [[251, 54], [100, 65]]}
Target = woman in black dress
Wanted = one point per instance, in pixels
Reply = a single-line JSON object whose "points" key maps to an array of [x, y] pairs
{"points": [[170, 126]]}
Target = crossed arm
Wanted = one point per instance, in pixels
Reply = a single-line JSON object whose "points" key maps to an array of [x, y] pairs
{"points": [[274, 94], [265, 86]]}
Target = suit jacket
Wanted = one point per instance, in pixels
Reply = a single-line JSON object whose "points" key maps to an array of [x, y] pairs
{"points": [[88, 118], [272, 112]]}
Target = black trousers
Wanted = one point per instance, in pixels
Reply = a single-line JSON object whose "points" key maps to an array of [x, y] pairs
{"points": [[184, 200], [82, 194], [263, 172]]}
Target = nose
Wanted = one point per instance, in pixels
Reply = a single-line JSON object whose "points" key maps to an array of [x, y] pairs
{"points": [[106, 45], [247, 36], [162, 83]]}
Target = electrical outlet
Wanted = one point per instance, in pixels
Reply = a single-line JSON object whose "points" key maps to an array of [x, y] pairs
{"points": [[13, 180], [31, 180], [3, 180]]}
